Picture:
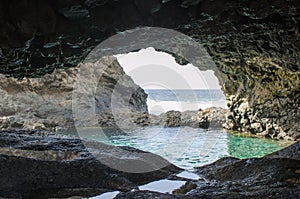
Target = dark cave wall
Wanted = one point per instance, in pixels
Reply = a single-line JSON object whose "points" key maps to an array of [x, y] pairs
{"points": [[59, 34], [259, 62], [255, 45], [22, 20]]}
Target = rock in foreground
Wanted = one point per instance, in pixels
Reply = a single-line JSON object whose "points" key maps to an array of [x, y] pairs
{"points": [[44, 165]]}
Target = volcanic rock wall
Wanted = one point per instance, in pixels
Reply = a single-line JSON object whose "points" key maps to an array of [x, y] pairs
{"points": [[256, 48], [48, 102], [255, 45]]}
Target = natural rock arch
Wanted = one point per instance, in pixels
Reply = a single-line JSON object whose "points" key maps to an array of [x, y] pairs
{"points": [[245, 92], [255, 47]]}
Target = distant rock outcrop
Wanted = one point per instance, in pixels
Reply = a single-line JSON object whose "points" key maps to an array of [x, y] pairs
{"points": [[213, 118]]}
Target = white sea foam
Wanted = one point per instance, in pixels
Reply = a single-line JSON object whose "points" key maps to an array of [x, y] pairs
{"points": [[158, 107]]}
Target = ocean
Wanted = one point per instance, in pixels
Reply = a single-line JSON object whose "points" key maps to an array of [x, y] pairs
{"points": [[162, 100]]}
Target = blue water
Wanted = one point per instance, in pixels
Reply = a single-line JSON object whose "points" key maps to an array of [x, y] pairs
{"points": [[160, 101], [186, 147]]}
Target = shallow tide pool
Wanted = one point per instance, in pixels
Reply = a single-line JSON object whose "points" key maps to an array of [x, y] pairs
{"points": [[184, 146]]}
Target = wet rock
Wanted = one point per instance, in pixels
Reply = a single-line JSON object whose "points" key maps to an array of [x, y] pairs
{"points": [[188, 186], [41, 165], [292, 152], [269, 176], [144, 194]]}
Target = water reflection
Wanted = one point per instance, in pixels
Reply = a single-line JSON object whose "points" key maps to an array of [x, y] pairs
{"points": [[163, 186]]}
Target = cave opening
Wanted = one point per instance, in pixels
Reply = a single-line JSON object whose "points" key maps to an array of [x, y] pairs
{"points": [[172, 84], [180, 101]]}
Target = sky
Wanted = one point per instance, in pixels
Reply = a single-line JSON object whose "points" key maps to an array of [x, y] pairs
{"points": [[151, 69]]}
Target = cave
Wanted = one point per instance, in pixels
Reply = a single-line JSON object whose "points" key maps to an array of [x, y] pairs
{"points": [[252, 47], [255, 47]]}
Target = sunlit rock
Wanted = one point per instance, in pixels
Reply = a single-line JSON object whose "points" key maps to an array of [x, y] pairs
{"points": [[46, 102]]}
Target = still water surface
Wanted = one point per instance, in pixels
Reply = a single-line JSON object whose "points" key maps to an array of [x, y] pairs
{"points": [[184, 146]]}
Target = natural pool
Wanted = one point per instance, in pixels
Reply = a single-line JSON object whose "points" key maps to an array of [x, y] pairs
{"points": [[184, 146]]}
